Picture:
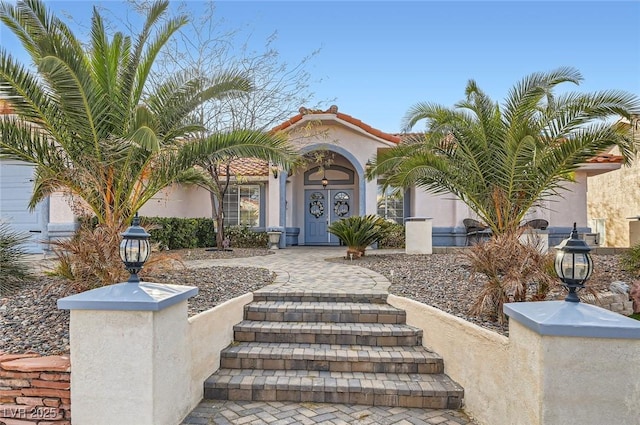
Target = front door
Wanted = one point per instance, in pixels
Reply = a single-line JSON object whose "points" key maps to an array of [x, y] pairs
{"points": [[323, 207]]}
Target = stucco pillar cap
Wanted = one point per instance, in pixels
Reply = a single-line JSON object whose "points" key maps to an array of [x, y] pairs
{"points": [[146, 296], [561, 318], [418, 218]]}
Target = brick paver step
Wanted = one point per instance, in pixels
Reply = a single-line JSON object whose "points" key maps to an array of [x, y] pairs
{"points": [[376, 334], [375, 297], [340, 312], [435, 391], [325, 357]]}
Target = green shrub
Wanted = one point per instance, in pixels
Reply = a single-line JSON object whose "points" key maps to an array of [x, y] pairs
{"points": [[14, 269], [358, 232], [394, 236], [182, 233], [244, 237], [631, 259]]}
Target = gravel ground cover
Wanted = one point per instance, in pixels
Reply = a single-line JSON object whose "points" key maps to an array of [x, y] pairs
{"points": [[30, 320], [444, 280]]}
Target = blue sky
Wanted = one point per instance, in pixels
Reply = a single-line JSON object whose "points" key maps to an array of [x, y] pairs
{"points": [[378, 58]]}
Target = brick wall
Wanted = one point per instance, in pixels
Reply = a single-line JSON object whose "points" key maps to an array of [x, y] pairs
{"points": [[35, 390]]}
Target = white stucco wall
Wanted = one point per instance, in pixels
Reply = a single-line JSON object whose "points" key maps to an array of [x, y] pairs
{"points": [[560, 211], [579, 380], [134, 360], [209, 333], [179, 201], [474, 357], [59, 208], [571, 204], [530, 378]]}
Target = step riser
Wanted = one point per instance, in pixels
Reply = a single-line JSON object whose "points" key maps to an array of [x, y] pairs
{"points": [[336, 339], [323, 298], [332, 366], [345, 397], [346, 317]]}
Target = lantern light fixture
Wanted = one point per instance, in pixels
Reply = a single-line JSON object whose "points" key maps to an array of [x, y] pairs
{"points": [[573, 264], [134, 249], [325, 182]]}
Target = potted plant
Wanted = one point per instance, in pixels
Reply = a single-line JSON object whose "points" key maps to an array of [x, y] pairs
{"points": [[358, 232]]}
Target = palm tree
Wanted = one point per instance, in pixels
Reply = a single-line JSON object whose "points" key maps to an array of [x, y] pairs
{"points": [[501, 160], [86, 117]]}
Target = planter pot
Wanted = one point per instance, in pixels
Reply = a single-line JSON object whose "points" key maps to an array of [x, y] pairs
{"points": [[274, 239]]}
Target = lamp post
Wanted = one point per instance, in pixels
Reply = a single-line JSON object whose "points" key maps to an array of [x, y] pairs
{"points": [[134, 249], [573, 264]]}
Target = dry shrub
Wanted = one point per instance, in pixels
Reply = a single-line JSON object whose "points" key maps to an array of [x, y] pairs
{"points": [[91, 259], [514, 272]]}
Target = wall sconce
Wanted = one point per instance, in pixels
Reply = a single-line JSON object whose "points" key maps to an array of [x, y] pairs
{"points": [[274, 171], [368, 166]]}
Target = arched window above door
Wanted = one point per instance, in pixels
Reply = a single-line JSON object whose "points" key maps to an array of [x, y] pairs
{"points": [[336, 174]]}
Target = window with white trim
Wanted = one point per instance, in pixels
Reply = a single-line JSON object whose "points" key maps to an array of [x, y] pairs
{"points": [[242, 206], [391, 204]]}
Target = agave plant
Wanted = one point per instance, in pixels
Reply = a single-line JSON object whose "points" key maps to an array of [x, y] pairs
{"points": [[358, 232]]}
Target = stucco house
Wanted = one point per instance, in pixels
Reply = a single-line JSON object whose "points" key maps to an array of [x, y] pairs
{"points": [[299, 204]]}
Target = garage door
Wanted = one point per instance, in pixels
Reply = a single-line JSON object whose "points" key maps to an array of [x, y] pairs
{"points": [[16, 185]]}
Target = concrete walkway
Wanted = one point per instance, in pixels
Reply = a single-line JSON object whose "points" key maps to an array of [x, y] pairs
{"points": [[304, 270]]}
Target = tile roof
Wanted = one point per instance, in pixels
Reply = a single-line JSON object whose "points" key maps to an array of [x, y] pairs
{"points": [[606, 158], [393, 138], [5, 107], [249, 167]]}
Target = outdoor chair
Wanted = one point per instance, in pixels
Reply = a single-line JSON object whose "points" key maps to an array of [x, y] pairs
{"points": [[537, 224], [476, 231]]}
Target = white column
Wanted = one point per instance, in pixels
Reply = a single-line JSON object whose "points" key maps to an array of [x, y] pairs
{"points": [[273, 211]]}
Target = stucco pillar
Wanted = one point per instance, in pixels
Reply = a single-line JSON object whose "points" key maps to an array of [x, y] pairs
{"points": [[418, 235], [574, 363], [130, 354]]}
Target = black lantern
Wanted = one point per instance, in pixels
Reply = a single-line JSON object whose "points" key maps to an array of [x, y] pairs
{"points": [[573, 264], [134, 249], [325, 182]]}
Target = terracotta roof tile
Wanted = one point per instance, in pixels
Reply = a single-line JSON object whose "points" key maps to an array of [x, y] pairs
{"points": [[606, 158], [249, 167], [5, 107], [344, 117]]}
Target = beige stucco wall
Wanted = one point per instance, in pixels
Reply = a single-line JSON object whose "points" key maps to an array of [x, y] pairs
{"points": [[138, 367], [118, 365], [615, 196], [209, 333], [560, 211], [474, 357], [179, 201], [529, 378], [581, 380]]}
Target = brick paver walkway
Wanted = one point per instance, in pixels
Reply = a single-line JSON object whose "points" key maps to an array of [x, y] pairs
{"points": [[305, 270], [279, 413]]}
